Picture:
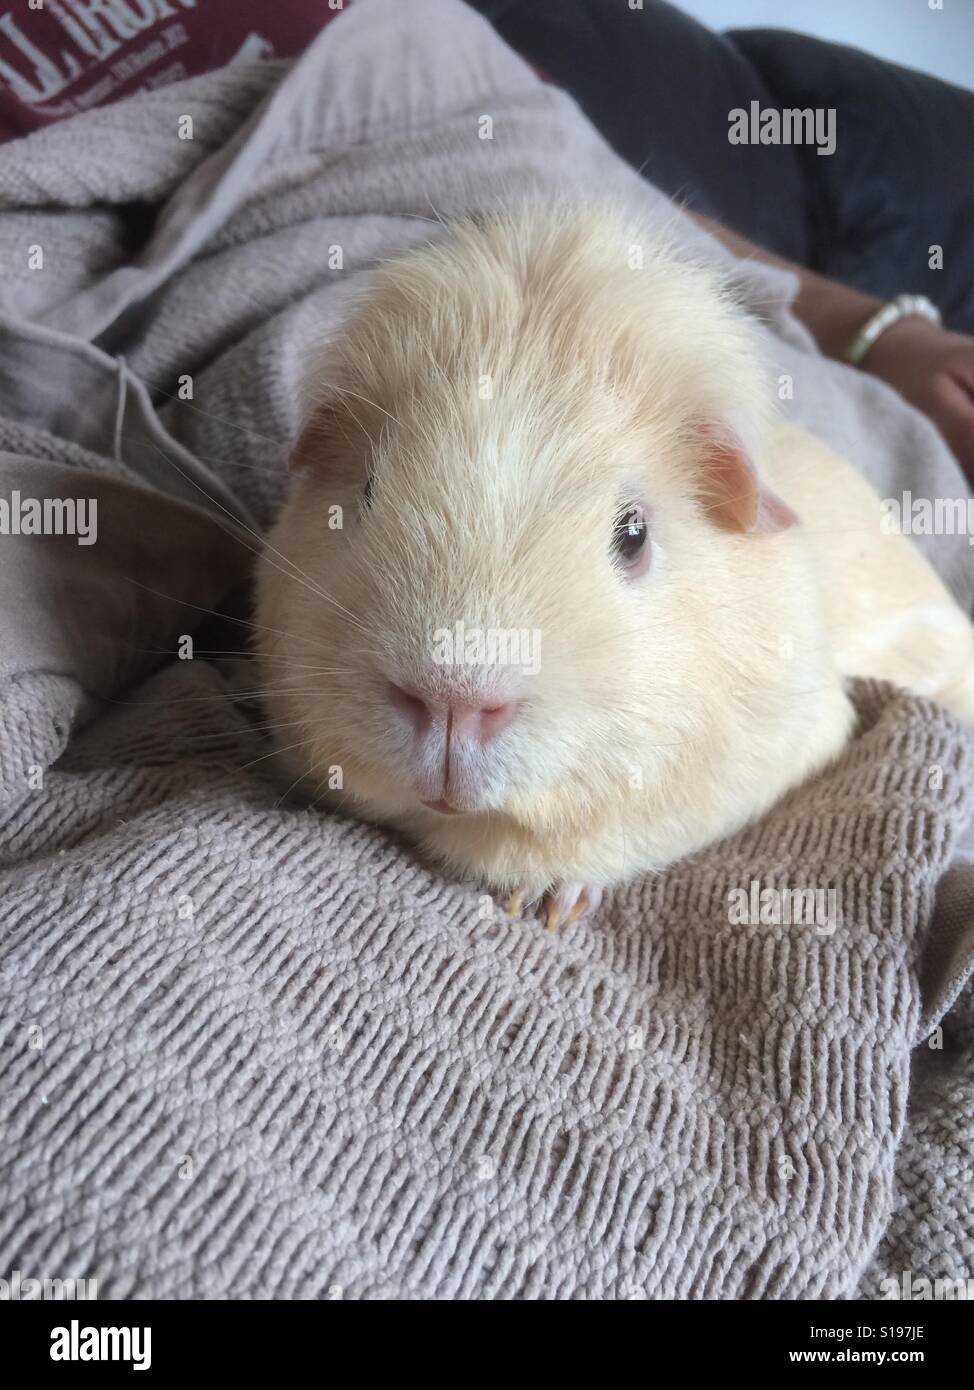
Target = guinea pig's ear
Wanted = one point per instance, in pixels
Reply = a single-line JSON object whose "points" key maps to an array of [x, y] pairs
{"points": [[732, 494]]}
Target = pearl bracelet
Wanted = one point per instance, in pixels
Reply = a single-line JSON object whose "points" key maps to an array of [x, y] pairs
{"points": [[904, 306]]}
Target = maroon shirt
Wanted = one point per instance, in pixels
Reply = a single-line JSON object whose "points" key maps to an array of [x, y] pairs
{"points": [[69, 55]]}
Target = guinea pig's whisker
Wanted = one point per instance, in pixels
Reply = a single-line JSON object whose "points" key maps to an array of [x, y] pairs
{"points": [[261, 726], [273, 725], [217, 419], [320, 670], [234, 463], [254, 694], [346, 391], [440, 219], [203, 654], [303, 743], [204, 741], [300, 666], [339, 805], [306, 582], [319, 793], [300, 577], [198, 653], [418, 217], [300, 778], [286, 690], [225, 617], [216, 698]]}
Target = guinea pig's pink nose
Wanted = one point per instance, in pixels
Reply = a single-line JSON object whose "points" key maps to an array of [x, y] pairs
{"points": [[479, 719]]}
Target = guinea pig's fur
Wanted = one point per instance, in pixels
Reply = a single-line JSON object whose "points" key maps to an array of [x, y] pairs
{"points": [[499, 398]]}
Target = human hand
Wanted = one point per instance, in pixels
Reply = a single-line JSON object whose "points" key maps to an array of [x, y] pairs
{"points": [[933, 369]]}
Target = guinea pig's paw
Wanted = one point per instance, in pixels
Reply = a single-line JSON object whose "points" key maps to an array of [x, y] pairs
{"points": [[559, 905], [569, 902], [518, 901]]}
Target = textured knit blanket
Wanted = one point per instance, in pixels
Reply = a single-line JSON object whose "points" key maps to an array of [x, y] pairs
{"points": [[248, 1049]]}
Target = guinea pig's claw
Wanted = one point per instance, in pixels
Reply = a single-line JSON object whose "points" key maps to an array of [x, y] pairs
{"points": [[514, 905], [560, 906], [552, 914], [568, 903]]}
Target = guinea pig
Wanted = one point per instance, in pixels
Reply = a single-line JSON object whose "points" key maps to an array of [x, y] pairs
{"points": [[553, 590]]}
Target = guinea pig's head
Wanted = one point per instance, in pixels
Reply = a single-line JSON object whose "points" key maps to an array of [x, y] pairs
{"points": [[521, 503]]}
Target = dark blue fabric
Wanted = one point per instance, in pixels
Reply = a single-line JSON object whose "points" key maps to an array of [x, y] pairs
{"points": [[660, 87], [902, 176]]}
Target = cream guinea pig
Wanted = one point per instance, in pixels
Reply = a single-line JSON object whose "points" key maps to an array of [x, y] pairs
{"points": [[553, 588]]}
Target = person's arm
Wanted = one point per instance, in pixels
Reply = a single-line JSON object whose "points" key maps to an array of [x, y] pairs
{"points": [[930, 366]]}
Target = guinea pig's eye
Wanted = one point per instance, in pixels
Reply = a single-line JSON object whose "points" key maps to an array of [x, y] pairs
{"points": [[630, 537]]}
